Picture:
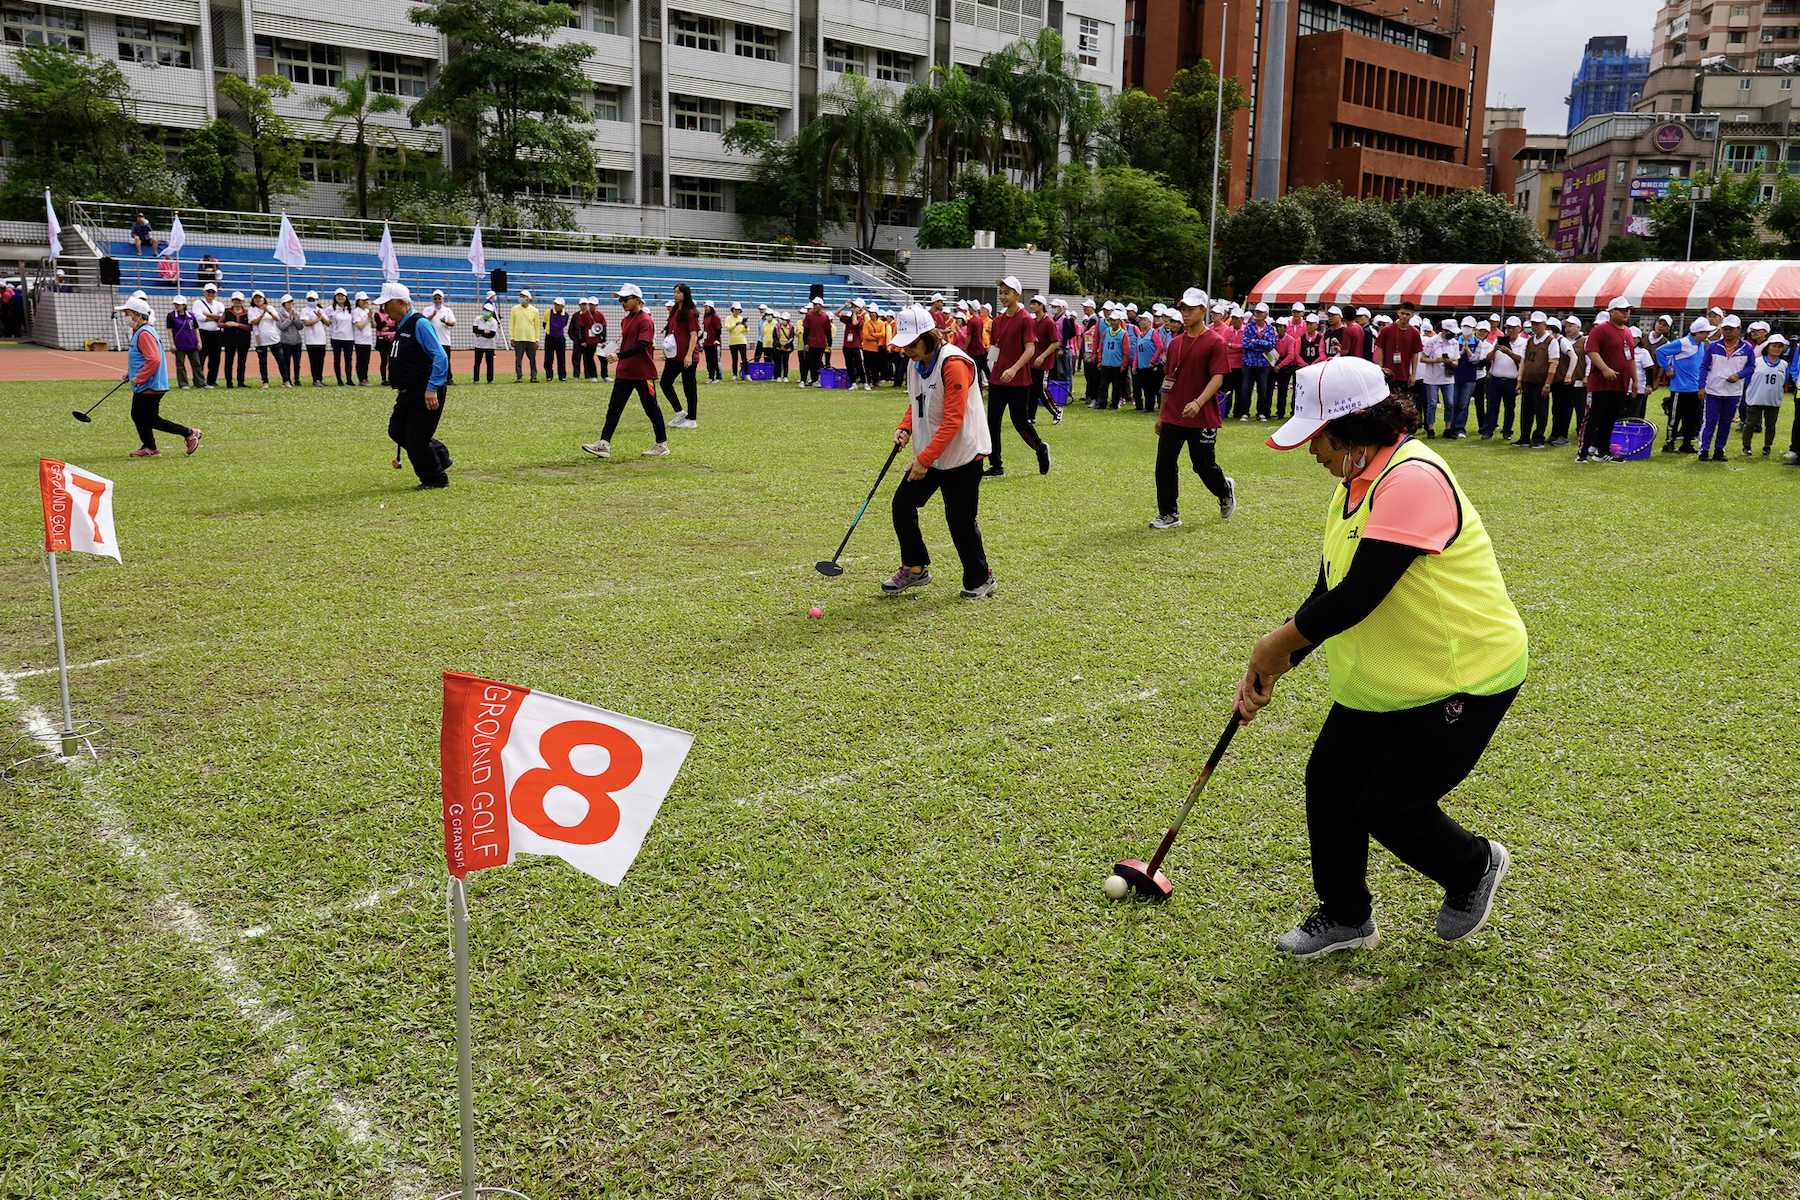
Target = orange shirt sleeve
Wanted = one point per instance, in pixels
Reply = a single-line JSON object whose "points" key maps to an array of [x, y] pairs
{"points": [[959, 373], [1415, 506]]}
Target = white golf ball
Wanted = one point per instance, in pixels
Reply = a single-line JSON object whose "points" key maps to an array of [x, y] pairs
{"points": [[1116, 887]]}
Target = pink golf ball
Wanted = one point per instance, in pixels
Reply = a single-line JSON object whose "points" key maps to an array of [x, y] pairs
{"points": [[815, 612]]}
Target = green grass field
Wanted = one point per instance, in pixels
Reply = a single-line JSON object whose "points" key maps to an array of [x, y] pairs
{"points": [[864, 952]]}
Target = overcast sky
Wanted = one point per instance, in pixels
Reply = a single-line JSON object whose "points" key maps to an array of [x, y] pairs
{"points": [[1537, 46]]}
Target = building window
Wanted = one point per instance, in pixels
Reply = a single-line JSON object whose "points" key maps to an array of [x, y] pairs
{"points": [[699, 113], [1618, 208], [1556, 195], [1746, 159], [606, 16], [845, 59], [318, 164], [1740, 10], [608, 104], [892, 67], [756, 41], [696, 33], [1012, 155], [153, 41], [1765, 58], [1087, 40], [700, 195], [759, 114], [303, 62], [1620, 177], [1743, 85], [1787, 85], [607, 187], [397, 75], [1734, 37], [44, 25], [1783, 33]]}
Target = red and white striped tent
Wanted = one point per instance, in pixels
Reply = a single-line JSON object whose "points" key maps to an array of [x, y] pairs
{"points": [[1757, 285]]}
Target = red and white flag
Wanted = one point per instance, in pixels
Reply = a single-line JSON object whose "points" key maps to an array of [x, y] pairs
{"points": [[78, 508], [532, 773]]}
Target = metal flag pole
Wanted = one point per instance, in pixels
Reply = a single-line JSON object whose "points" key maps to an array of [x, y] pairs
{"points": [[62, 663], [1212, 222], [465, 1074]]}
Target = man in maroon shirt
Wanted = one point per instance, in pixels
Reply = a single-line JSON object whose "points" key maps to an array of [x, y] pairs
{"points": [[1397, 350], [1015, 337], [1611, 380], [815, 341], [1196, 364], [1045, 344]]}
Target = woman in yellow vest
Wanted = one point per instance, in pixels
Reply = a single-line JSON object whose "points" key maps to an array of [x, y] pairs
{"points": [[1425, 653]]}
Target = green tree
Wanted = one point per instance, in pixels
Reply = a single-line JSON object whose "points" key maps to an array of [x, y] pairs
{"points": [[1084, 123], [945, 226], [350, 112], [998, 204], [785, 196], [956, 115], [209, 159], [1624, 248], [512, 95], [1724, 225], [1074, 209], [1469, 226], [1153, 242], [1349, 231], [71, 126], [860, 144], [274, 151], [1781, 216], [1262, 235], [1173, 137], [1036, 78]]}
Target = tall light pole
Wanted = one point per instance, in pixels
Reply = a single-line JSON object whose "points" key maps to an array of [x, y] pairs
{"points": [[1212, 222], [1695, 195]]}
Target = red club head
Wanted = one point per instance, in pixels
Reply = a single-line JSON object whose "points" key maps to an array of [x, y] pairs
{"points": [[1146, 885]]}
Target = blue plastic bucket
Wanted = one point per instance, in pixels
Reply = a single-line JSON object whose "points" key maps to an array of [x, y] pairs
{"points": [[761, 372], [832, 377], [1632, 438], [1058, 391]]}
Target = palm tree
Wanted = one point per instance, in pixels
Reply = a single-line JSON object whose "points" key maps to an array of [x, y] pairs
{"points": [[353, 108], [859, 141], [955, 113], [1084, 124], [1037, 78]]}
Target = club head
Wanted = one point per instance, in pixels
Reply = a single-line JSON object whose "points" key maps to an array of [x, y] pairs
{"points": [[396, 464], [82, 417], [828, 568], [1146, 885]]}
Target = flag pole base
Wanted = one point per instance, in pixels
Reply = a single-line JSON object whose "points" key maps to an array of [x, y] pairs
{"points": [[26, 759], [459, 1193]]}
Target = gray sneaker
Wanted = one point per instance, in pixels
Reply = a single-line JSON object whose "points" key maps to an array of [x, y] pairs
{"points": [[1228, 502], [1168, 520], [905, 578], [1463, 915], [985, 588], [1319, 935]]}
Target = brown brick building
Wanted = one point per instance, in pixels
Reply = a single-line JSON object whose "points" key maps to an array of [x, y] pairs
{"points": [[1384, 98]]}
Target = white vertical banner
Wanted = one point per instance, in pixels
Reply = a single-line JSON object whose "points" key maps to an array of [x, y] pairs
{"points": [[390, 262], [55, 226], [288, 250], [477, 255], [177, 237]]}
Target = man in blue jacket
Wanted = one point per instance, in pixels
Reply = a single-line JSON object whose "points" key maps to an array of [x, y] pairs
{"points": [[1682, 360], [1260, 335], [419, 370]]}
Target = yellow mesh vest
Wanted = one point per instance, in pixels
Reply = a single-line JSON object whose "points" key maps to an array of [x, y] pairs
{"points": [[1447, 627]]}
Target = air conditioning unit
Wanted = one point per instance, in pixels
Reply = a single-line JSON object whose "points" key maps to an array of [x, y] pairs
{"points": [[1768, 37]]}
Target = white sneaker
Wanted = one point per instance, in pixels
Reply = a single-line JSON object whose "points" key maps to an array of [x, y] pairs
{"points": [[660, 448], [803, 383], [598, 449], [691, 423], [1228, 502], [1166, 521], [1790, 456]]}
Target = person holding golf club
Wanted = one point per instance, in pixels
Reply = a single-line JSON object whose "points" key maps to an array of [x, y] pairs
{"points": [[147, 369], [1424, 649], [419, 372], [945, 423]]}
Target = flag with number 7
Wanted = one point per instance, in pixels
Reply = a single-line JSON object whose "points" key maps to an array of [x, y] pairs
{"points": [[78, 508], [527, 772]]}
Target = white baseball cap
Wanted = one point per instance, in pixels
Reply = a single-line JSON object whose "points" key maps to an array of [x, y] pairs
{"points": [[1619, 302], [312, 295], [1088, 302], [1132, 307], [339, 292], [1468, 322], [1011, 281], [365, 295], [816, 303], [1362, 312], [255, 294], [182, 301], [1512, 321], [1427, 326], [1262, 306], [140, 307], [1335, 311], [525, 294], [390, 291], [1700, 325], [1539, 315], [1731, 322], [487, 306], [1193, 298], [1296, 306], [1326, 391], [287, 299], [558, 300], [1042, 299], [1311, 318], [436, 292], [1762, 325], [856, 304], [909, 323], [1575, 321], [1776, 337], [735, 306], [625, 289], [937, 297]]}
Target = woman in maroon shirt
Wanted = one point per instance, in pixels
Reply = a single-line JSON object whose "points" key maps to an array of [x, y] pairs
{"points": [[635, 368], [684, 326], [713, 328]]}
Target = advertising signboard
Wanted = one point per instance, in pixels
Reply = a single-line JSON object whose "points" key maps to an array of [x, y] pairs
{"points": [[1649, 189], [1581, 217]]}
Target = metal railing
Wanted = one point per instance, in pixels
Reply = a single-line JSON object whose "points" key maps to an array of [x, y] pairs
{"points": [[111, 220]]}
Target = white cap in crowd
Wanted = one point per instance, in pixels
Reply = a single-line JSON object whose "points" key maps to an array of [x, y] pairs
{"points": [[624, 290], [1776, 337], [1762, 325], [390, 291], [1297, 306], [1700, 325], [1334, 311], [1427, 326], [1132, 307], [1312, 318], [179, 301], [937, 297], [1011, 281], [140, 307], [1087, 302], [365, 295], [668, 304], [1513, 322], [1575, 321], [340, 292], [1384, 319], [1325, 391], [1262, 306], [525, 293], [487, 306], [213, 287], [559, 300], [437, 293], [1731, 322], [909, 323], [312, 295], [1618, 302], [1538, 315], [1362, 312], [816, 303], [1193, 298], [255, 294], [287, 299]]}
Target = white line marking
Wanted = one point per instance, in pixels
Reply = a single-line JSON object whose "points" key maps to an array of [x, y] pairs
{"points": [[349, 1117], [98, 662]]}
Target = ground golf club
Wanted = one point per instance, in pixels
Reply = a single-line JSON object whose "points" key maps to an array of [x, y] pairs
{"points": [[83, 417], [1144, 878], [831, 567]]}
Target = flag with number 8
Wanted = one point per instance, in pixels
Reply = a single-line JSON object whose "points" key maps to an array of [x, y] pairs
{"points": [[528, 772]]}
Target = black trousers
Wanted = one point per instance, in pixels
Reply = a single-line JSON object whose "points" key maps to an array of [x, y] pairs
{"points": [[211, 342], [1261, 381], [1566, 404], [1382, 775], [740, 359], [1018, 401], [343, 360], [1684, 416], [146, 414], [362, 363], [1284, 382], [384, 347], [1090, 378], [853, 365], [481, 355], [899, 369], [1604, 409], [237, 361], [962, 497], [809, 363], [315, 357], [262, 362], [671, 369], [712, 365], [1112, 387], [780, 359], [413, 426], [1147, 383], [556, 356], [623, 390], [1500, 395], [1534, 410], [1200, 445]]}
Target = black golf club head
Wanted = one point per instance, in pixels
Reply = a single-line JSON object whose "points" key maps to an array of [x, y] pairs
{"points": [[1146, 885], [828, 568], [82, 417]]}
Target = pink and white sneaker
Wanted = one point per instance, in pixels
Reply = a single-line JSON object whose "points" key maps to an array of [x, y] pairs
{"points": [[146, 452], [193, 440]]}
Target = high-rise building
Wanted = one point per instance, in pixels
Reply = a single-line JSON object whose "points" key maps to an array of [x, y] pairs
{"points": [[1749, 36], [1386, 92], [664, 82], [1611, 78]]}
